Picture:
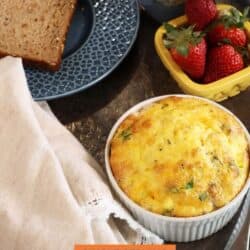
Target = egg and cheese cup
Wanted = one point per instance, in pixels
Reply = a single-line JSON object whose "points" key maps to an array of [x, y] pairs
{"points": [[180, 164]]}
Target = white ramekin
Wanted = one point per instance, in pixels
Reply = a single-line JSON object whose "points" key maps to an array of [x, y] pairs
{"points": [[172, 228]]}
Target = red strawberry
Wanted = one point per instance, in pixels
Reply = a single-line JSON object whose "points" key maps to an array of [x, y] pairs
{"points": [[222, 61], [229, 28], [200, 12], [235, 36], [188, 49]]}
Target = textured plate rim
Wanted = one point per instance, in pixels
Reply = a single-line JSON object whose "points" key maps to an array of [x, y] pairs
{"points": [[92, 83]]}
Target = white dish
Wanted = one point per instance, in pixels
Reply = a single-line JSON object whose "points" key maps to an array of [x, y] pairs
{"points": [[176, 229]]}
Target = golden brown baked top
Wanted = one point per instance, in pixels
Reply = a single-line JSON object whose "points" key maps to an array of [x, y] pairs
{"points": [[180, 157]]}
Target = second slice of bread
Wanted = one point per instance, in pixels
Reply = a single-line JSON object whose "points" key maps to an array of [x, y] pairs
{"points": [[35, 30]]}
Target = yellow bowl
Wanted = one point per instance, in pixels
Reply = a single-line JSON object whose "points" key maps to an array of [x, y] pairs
{"points": [[218, 90]]}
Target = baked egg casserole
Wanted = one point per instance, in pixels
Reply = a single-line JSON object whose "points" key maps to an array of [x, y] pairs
{"points": [[180, 157]]}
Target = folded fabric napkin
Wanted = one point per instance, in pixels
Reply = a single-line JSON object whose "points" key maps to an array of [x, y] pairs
{"points": [[53, 194]]}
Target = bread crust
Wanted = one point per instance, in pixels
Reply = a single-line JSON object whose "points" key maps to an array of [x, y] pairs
{"points": [[39, 64], [43, 64]]}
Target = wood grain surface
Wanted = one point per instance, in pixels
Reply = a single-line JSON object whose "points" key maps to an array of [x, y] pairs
{"points": [[91, 114]]}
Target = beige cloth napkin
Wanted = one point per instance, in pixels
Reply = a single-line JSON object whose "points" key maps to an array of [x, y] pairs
{"points": [[52, 192]]}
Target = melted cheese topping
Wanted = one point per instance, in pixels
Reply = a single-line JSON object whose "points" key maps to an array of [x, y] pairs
{"points": [[180, 157]]}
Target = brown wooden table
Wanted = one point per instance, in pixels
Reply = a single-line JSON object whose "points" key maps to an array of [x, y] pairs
{"points": [[91, 114]]}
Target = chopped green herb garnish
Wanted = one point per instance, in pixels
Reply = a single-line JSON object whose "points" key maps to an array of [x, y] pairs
{"points": [[126, 134], [174, 190], [215, 159], [182, 165], [190, 185], [226, 128], [168, 211], [164, 105], [232, 162], [203, 196]]}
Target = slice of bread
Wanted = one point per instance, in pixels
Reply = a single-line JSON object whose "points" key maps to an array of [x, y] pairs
{"points": [[35, 30]]}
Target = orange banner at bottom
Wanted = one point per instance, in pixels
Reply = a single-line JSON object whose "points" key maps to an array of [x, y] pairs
{"points": [[125, 247]]}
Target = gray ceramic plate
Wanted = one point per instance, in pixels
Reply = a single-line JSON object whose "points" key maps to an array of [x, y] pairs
{"points": [[101, 34]]}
